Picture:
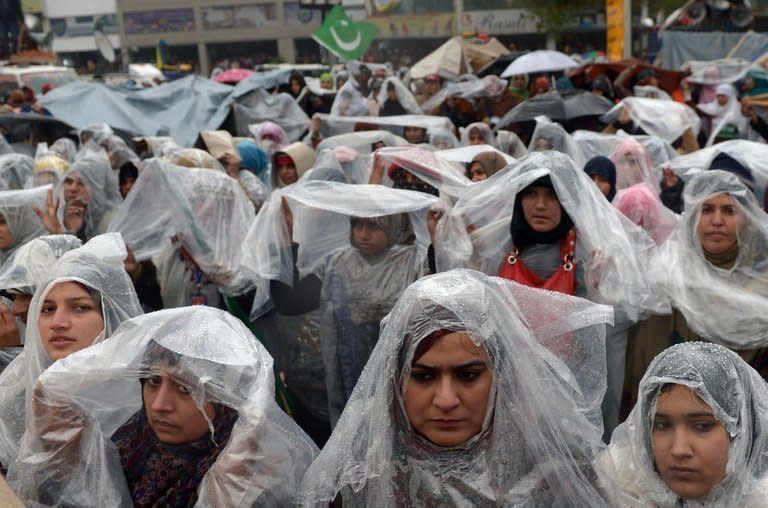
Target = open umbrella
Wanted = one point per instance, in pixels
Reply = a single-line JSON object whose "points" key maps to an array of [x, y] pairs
{"points": [[558, 106], [540, 61], [232, 76]]}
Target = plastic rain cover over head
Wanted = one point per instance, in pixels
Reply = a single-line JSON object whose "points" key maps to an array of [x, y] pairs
{"points": [[716, 72], [341, 164], [96, 133], [101, 195], [22, 221], [362, 141], [657, 117], [442, 139], [91, 394], [446, 176], [549, 135], [31, 263], [481, 129], [349, 102], [738, 398], [98, 265], [404, 96], [65, 148], [531, 450], [15, 170], [715, 290], [332, 125], [206, 212], [596, 143], [511, 144], [260, 106], [609, 248], [633, 165], [641, 204]]}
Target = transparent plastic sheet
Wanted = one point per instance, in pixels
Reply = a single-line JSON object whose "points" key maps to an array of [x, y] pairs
{"points": [[96, 133], [446, 176], [341, 164], [595, 143], [641, 204], [268, 129], [349, 102], [99, 265], [488, 86], [532, 450], [23, 223], [102, 195], [331, 125], [189, 157], [753, 155], [465, 154], [716, 72], [119, 153], [482, 128], [49, 167], [31, 263], [715, 300], [217, 358], [739, 399], [7, 355], [15, 171], [281, 109], [206, 212], [549, 135], [404, 96], [442, 139], [651, 92], [65, 148], [611, 251], [726, 116], [667, 120], [511, 144], [634, 166], [362, 141]]}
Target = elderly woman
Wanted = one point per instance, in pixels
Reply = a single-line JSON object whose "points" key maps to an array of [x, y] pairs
{"points": [[697, 436], [196, 422], [449, 411], [84, 298]]}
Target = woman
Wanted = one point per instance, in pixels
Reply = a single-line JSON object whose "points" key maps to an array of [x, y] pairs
{"points": [[448, 411], [640, 204], [549, 135], [602, 171], [84, 298], [15, 171], [477, 133], [196, 423], [633, 165], [290, 162], [19, 222], [712, 269], [696, 437], [484, 165], [347, 252]]}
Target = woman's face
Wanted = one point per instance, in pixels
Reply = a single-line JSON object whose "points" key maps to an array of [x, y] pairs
{"points": [[70, 320], [287, 173], [369, 238], [519, 81], [415, 135], [719, 224], [542, 145], [20, 306], [6, 238], [722, 99], [447, 392], [541, 208], [690, 445], [603, 184], [476, 138], [172, 412], [477, 172]]}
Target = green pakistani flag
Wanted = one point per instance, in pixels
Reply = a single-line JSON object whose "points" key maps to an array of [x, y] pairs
{"points": [[343, 37]]}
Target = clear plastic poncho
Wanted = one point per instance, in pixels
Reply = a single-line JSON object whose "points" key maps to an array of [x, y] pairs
{"points": [[482, 128], [465, 154], [31, 263], [99, 265], [609, 248], [533, 450], [217, 359], [739, 399], [667, 120], [633, 165], [65, 148], [281, 108], [445, 175], [349, 102], [362, 141], [595, 143], [715, 300], [341, 164], [641, 204], [716, 72], [404, 96], [727, 117], [203, 212], [95, 133], [102, 191], [23, 223], [549, 135], [15, 171], [442, 139], [511, 144], [332, 125]]}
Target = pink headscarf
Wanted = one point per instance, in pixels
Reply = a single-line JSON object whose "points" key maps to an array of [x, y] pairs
{"points": [[633, 165], [272, 129], [640, 204]]}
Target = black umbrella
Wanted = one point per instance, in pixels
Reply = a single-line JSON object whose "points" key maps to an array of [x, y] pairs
{"points": [[558, 106]]}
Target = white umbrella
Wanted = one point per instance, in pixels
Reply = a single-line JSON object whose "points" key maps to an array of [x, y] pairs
{"points": [[539, 61]]}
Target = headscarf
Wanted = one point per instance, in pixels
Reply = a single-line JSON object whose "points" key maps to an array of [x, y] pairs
{"points": [[633, 165], [521, 92], [258, 461], [303, 158], [604, 168], [640, 204], [15, 171], [23, 222], [481, 128], [760, 79], [530, 450], [253, 157], [708, 93], [603, 83], [492, 162], [99, 266], [739, 400], [714, 299], [523, 235]]}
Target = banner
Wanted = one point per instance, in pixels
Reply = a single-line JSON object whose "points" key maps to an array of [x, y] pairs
{"points": [[343, 37]]}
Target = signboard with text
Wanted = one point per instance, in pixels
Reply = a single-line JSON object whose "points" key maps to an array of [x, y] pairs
{"points": [[500, 22]]}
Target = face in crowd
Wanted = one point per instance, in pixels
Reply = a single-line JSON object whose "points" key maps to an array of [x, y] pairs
{"points": [[720, 221], [70, 319]]}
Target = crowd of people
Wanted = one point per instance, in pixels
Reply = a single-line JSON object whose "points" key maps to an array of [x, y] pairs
{"points": [[411, 298]]}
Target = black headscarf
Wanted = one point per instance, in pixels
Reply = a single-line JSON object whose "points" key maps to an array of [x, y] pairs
{"points": [[523, 235], [604, 168]]}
